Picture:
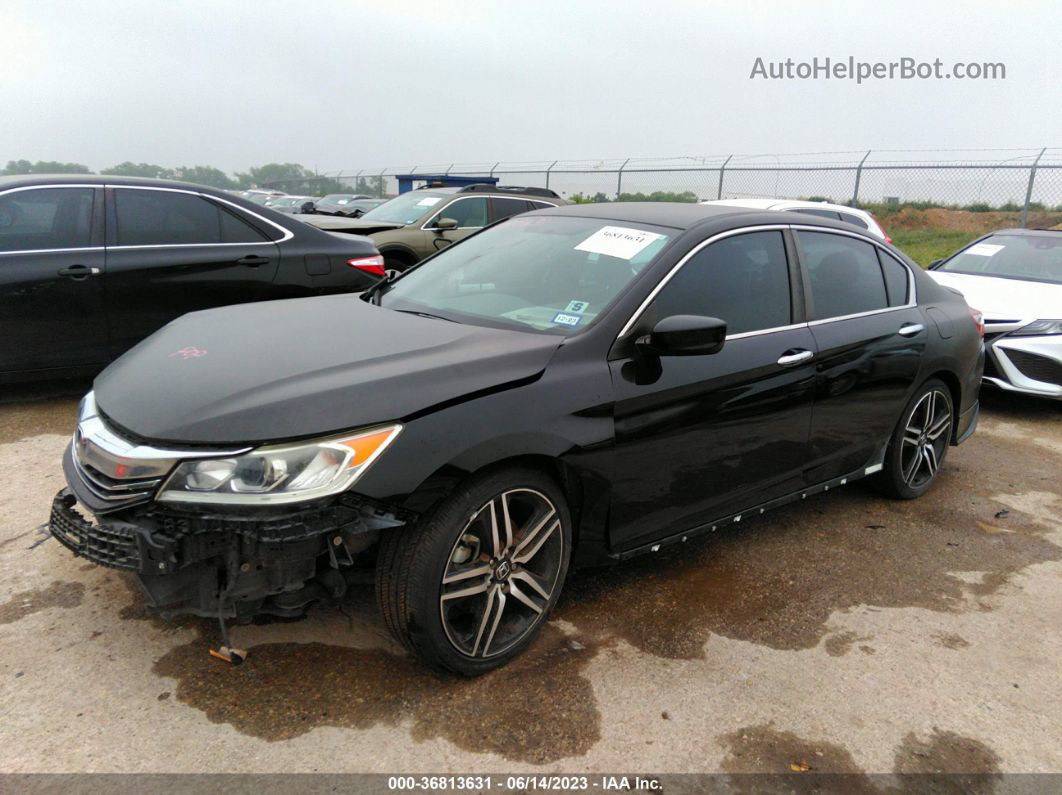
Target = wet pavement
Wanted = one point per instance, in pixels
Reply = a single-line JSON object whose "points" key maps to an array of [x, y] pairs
{"points": [[848, 633]]}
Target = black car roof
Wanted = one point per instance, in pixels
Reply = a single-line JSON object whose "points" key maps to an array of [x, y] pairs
{"points": [[18, 180]]}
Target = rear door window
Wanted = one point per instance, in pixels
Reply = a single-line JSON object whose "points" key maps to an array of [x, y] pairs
{"points": [[161, 218], [504, 207], [897, 278], [844, 273], [46, 218]]}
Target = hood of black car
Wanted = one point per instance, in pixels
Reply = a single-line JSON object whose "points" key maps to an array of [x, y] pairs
{"points": [[304, 367]]}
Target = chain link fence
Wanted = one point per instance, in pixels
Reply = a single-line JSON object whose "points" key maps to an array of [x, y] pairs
{"points": [[1016, 180]]}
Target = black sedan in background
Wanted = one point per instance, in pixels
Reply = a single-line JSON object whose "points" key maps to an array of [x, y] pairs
{"points": [[90, 265], [570, 386]]}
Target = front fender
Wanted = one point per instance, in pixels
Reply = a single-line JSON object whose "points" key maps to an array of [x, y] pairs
{"points": [[563, 419]]}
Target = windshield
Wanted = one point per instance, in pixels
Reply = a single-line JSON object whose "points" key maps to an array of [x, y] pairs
{"points": [[547, 273], [1036, 258], [404, 209]]}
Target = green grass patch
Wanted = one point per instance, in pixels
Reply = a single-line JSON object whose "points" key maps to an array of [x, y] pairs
{"points": [[926, 245]]}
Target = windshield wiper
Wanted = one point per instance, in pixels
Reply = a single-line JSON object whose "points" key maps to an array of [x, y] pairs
{"points": [[426, 314]]}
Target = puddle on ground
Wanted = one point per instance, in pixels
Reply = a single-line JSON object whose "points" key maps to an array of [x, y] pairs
{"points": [[776, 579], [58, 594], [23, 420], [538, 709], [763, 749], [945, 762]]}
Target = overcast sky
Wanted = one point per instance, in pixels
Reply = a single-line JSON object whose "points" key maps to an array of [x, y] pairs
{"points": [[347, 85]]}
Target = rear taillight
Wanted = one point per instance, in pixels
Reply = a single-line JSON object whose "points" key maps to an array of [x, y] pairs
{"points": [[979, 320], [882, 228], [371, 265]]}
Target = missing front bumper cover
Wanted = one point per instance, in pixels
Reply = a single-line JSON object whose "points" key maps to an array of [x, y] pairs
{"points": [[232, 565]]}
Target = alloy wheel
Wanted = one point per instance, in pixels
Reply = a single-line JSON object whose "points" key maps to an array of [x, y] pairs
{"points": [[925, 438], [501, 573]]}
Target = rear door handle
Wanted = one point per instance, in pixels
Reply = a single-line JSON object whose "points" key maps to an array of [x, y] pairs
{"points": [[910, 329], [253, 260], [79, 272], [796, 356]]}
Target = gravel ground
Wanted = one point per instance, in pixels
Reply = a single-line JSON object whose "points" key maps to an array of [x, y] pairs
{"points": [[848, 633]]}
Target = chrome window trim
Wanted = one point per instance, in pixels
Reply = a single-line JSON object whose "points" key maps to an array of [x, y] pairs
{"points": [[912, 288], [758, 332], [287, 233], [689, 255], [912, 292], [50, 250], [425, 228]]}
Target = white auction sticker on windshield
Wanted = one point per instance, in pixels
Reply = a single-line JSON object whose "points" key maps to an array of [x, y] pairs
{"points": [[983, 249], [618, 241], [429, 201]]}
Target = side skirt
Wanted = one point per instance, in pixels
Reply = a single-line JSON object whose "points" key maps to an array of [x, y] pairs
{"points": [[756, 510]]}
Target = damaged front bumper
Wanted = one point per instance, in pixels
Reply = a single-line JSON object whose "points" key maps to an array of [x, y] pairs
{"points": [[228, 565]]}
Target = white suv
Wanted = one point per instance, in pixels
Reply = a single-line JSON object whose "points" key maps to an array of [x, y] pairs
{"points": [[838, 212]]}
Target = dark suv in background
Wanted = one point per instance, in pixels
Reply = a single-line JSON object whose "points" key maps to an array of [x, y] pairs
{"points": [[416, 224], [90, 265]]}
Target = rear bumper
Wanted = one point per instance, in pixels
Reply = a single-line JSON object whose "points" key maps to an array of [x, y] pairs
{"points": [[967, 423]]}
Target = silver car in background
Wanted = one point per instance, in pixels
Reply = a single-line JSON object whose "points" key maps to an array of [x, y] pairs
{"points": [[1014, 276]]}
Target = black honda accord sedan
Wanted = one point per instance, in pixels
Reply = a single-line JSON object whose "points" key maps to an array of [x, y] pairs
{"points": [[90, 265], [568, 387]]}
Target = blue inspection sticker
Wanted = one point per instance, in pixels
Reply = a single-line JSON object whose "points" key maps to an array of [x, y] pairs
{"points": [[565, 319]]}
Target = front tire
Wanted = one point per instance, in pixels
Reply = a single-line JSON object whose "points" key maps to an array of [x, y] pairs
{"points": [[920, 442], [467, 588]]}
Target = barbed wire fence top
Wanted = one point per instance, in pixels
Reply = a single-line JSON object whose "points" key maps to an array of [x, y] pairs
{"points": [[1010, 179]]}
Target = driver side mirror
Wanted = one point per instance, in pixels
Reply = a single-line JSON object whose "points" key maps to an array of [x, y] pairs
{"points": [[445, 223], [684, 335]]}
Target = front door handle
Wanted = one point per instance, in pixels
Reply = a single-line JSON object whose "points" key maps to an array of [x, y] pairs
{"points": [[78, 272], [252, 260], [910, 329], [795, 356]]}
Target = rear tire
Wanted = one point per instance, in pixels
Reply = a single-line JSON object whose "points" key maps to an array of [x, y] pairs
{"points": [[467, 587], [393, 266], [919, 443]]}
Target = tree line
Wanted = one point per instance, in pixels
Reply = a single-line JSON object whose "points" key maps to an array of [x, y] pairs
{"points": [[290, 177]]}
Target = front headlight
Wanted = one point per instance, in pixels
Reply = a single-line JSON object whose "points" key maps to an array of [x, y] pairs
{"points": [[279, 473], [1038, 328]]}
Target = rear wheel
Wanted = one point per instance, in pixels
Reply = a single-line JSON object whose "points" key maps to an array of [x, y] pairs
{"points": [[919, 443], [394, 265], [467, 588]]}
